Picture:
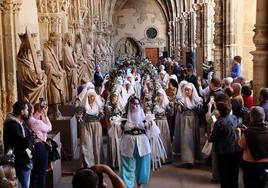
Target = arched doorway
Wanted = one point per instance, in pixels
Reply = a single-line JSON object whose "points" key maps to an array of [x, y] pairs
{"points": [[127, 48]]}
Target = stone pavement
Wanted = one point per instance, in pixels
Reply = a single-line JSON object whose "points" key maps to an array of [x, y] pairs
{"points": [[169, 176]]}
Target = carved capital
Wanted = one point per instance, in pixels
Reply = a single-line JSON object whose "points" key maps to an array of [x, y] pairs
{"points": [[10, 5], [260, 38]]}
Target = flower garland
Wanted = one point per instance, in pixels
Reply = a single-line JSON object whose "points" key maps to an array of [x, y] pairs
{"points": [[146, 69]]}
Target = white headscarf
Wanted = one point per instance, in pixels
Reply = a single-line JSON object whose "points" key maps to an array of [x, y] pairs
{"points": [[136, 116], [162, 67], [120, 91], [165, 101], [130, 89], [82, 94], [165, 78], [191, 103], [180, 92], [228, 81], [174, 77], [98, 101], [210, 75], [130, 75]]}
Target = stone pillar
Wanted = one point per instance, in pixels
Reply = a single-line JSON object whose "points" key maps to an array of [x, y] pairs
{"points": [[208, 30], [260, 55], [9, 10], [218, 37], [198, 39], [230, 28]]}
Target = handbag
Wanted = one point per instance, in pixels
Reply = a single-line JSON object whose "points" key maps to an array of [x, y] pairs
{"points": [[207, 149], [53, 153]]}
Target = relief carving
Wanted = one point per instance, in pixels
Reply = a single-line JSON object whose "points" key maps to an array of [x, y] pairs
{"points": [[10, 6]]}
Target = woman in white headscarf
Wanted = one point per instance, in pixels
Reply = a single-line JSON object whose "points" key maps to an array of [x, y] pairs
{"points": [[164, 79], [91, 130], [177, 132], [113, 112], [135, 147], [157, 147], [129, 89], [190, 104], [161, 108]]}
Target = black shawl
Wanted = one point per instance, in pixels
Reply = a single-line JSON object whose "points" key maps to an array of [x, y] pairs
{"points": [[257, 140]]}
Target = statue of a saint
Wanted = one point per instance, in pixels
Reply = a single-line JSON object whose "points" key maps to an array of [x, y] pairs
{"points": [[90, 59], [71, 67], [32, 83], [56, 76], [84, 62]]}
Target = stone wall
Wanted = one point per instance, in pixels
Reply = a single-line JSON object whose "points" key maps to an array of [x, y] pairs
{"points": [[135, 17]]}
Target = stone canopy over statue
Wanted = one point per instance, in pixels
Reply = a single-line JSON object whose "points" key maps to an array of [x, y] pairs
{"points": [[32, 82]]}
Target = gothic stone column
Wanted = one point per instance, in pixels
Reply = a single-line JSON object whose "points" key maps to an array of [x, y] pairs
{"points": [[9, 10], [260, 55], [218, 37]]}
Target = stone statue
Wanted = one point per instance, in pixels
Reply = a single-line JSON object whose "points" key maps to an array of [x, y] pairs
{"points": [[104, 57], [56, 76], [90, 59], [70, 66], [98, 55], [84, 60], [111, 49], [32, 83]]}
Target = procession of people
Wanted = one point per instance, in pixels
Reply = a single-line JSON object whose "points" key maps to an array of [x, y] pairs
{"points": [[149, 113]]}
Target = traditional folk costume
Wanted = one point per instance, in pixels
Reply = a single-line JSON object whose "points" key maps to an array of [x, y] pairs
{"points": [[158, 150], [160, 111], [115, 129], [135, 148], [91, 132], [171, 92], [190, 138], [176, 144], [164, 78]]}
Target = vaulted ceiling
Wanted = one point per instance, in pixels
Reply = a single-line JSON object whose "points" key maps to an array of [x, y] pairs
{"points": [[170, 8]]}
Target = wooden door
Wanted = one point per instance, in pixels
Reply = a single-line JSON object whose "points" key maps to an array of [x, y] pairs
{"points": [[152, 54]]}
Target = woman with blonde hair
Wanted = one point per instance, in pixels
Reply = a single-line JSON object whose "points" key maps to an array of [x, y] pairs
{"points": [[8, 178]]}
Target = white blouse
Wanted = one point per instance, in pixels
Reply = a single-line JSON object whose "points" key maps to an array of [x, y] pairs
{"points": [[128, 142]]}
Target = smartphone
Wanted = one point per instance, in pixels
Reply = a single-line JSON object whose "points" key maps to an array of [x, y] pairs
{"points": [[42, 103], [214, 119], [212, 99]]}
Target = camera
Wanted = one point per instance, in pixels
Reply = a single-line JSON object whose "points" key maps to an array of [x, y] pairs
{"points": [[264, 175], [10, 157], [42, 103]]}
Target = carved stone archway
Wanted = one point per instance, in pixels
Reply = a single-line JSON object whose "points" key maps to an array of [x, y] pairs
{"points": [[127, 47]]}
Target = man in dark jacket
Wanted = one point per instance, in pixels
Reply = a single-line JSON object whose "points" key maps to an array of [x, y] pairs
{"points": [[191, 77], [16, 138], [263, 98], [98, 80]]}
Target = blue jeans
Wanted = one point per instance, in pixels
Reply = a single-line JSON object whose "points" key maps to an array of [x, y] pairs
{"points": [[24, 176], [40, 164]]}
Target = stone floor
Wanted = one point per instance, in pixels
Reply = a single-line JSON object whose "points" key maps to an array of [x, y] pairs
{"points": [[169, 176]]}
